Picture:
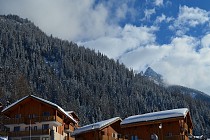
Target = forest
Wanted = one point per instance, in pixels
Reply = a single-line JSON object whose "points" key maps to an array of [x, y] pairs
{"points": [[83, 80]]}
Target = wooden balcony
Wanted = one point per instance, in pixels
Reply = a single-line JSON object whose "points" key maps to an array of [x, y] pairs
{"points": [[3, 133], [111, 138], [14, 121], [68, 128], [48, 118], [25, 120], [176, 137], [28, 133]]}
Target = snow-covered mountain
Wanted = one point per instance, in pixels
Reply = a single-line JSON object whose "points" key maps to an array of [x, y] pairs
{"points": [[154, 76], [158, 79]]}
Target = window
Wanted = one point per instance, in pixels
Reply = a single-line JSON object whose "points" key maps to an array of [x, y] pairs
{"points": [[45, 126], [18, 116], [46, 113], [31, 116], [16, 128], [45, 138], [119, 136], [35, 128], [170, 134], [134, 137], [114, 135]]}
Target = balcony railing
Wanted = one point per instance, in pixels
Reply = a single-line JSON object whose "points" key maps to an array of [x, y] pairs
{"points": [[26, 120], [68, 128], [28, 133], [14, 121], [176, 137]]}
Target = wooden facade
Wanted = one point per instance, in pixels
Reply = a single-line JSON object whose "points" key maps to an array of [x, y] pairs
{"points": [[166, 128], [38, 119], [105, 130]]}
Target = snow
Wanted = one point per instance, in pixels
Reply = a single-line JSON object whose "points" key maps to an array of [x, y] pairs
{"points": [[156, 116], [9, 106], [43, 100], [3, 138], [95, 126]]}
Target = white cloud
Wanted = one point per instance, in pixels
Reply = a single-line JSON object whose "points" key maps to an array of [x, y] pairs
{"points": [[144, 56], [148, 13], [189, 17], [124, 39], [206, 41], [158, 2], [178, 61], [163, 18], [160, 19], [121, 11], [192, 16], [70, 20]]}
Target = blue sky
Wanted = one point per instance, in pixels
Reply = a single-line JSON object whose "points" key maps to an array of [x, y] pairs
{"points": [[171, 36]]}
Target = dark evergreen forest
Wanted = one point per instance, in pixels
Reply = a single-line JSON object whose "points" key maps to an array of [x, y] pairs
{"points": [[79, 79]]}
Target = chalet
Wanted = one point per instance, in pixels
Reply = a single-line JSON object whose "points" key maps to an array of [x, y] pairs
{"points": [[104, 130], [173, 124], [33, 118]]}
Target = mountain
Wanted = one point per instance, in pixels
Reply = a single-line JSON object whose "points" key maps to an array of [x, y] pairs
{"points": [[151, 74], [79, 79], [158, 79]]}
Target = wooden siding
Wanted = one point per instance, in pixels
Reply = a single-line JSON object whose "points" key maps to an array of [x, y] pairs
{"points": [[110, 132], [33, 111], [174, 129], [26, 120], [28, 133]]}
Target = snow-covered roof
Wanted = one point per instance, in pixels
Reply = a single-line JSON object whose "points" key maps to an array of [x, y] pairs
{"points": [[43, 100], [3, 138], [9, 106], [96, 126], [182, 112], [72, 113]]}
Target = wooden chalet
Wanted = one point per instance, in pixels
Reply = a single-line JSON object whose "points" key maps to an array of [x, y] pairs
{"points": [[173, 124], [33, 118], [104, 130]]}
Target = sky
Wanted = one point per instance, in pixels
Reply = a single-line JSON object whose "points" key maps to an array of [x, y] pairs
{"points": [[171, 36]]}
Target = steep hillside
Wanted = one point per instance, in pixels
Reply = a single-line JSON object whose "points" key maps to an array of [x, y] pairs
{"points": [[191, 92], [79, 79]]}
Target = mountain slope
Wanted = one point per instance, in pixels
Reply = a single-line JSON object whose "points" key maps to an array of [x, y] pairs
{"points": [[158, 79], [79, 79]]}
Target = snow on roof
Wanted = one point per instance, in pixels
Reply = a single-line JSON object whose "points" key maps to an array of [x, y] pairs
{"points": [[43, 100], [156, 116], [9, 106], [70, 112], [3, 138], [95, 126]]}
